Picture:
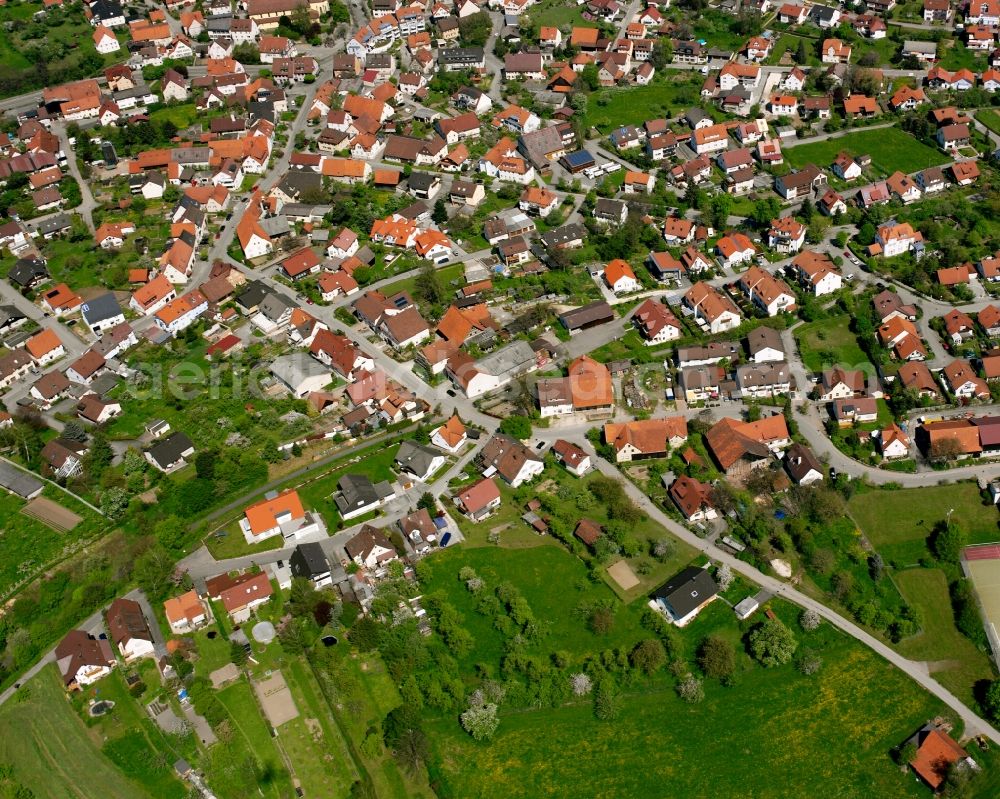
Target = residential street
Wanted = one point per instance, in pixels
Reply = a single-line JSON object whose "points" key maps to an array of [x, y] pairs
{"points": [[471, 340]]}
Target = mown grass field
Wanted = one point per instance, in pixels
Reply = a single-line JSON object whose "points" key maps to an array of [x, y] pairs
{"points": [[775, 733], [989, 118], [559, 13], [898, 523], [610, 108], [939, 639], [829, 342], [51, 750], [890, 149]]}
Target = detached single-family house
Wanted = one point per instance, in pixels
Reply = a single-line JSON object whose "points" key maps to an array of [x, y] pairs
{"points": [[479, 500], [371, 548], [185, 613], [282, 515], [83, 659], [129, 629], [357, 495], [682, 597]]}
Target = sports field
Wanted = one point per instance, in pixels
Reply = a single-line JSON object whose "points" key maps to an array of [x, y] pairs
{"points": [[982, 564]]}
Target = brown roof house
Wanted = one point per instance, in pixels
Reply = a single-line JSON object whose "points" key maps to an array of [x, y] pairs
{"points": [[840, 383], [510, 459], [370, 548], [129, 630], [83, 659], [588, 531], [249, 592], [572, 457], [738, 447], [692, 499], [802, 465]]}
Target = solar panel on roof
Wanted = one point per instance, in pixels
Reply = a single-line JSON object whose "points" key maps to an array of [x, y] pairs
{"points": [[579, 157]]}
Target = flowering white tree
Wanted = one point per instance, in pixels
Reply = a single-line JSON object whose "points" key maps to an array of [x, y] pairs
{"points": [[724, 577], [691, 690], [809, 620], [480, 721], [581, 684]]}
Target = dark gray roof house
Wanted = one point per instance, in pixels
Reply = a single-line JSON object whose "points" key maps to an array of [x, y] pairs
{"points": [[416, 459], [358, 494], [684, 594], [18, 482], [611, 211], [595, 313], [310, 562], [170, 452], [101, 311], [10, 317], [570, 235], [28, 272]]}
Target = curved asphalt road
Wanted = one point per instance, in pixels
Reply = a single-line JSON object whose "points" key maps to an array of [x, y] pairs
{"points": [[974, 725]]}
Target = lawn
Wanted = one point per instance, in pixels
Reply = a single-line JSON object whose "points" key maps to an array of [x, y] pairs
{"points": [[939, 640], [450, 276], [228, 542], [890, 148], [363, 685], [559, 13], [989, 118], [182, 115], [827, 735], [251, 738], [51, 751], [829, 342], [957, 56], [27, 545], [667, 94], [898, 523], [789, 42], [555, 585]]}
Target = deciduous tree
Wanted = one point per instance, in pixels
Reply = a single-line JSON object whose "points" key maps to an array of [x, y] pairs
{"points": [[772, 643], [717, 658]]}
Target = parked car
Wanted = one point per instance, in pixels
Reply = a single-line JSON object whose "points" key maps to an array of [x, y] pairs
{"points": [[445, 540]]}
